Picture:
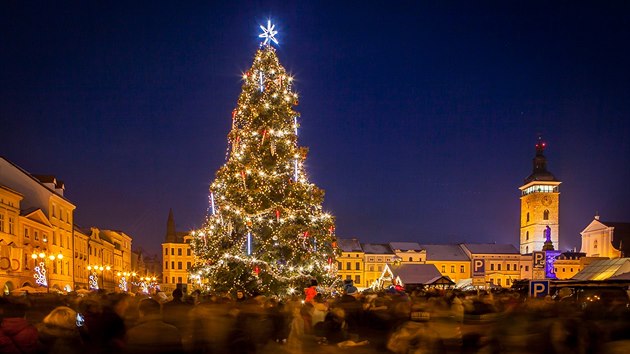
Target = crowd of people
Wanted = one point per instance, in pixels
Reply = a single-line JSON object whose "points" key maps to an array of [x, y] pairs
{"points": [[389, 321]]}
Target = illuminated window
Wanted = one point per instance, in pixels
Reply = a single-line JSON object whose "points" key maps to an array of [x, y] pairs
{"points": [[546, 215], [357, 279], [595, 244], [499, 282]]}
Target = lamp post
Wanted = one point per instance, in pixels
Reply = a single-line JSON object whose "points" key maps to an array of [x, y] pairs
{"points": [[96, 268], [42, 274]]}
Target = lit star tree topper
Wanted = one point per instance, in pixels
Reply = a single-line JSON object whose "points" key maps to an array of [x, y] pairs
{"points": [[266, 230], [268, 33]]}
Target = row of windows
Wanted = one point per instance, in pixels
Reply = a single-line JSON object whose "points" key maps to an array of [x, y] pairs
{"points": [[357, 279], [10, 228], [462, 269], [179, 280], [508, 281], [357, 266], [507, 266], [179, 251], [62, 212], [540, 189], [179, 265], [555, 269]]}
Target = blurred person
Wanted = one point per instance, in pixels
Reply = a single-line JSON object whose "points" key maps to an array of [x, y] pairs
{"points": [[175, 312], [295, 342], [151, 334], [311, 291], [59, 333], [16, 334]]}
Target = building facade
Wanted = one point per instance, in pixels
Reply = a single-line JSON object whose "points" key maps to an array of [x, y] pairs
{"points": [[606, 239], [177, 256], [40, 244], [350, 265]]}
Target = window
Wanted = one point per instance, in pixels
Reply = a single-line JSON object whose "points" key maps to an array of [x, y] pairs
{"points": [[36, 235], [348, 277], [527, 217], [379, 259], [555, 270], [371, 259], [26, 233], [188, 252], [371, 268], [179, 265], [179, 251], [348, 266], [508, 266], [527, 268], [357, 266], [54, 211], [452, 269], [492, 266], [11, 225], [380, 268], [54, 267], [443, 269], [564, 269], [498, 267], [546, 215], [526, 235], [172, 265], [54, 237], [172, 251], [166, 251], [526, 249], [571, 270], [173, 279], [507, 282], [357, 279], [188, 265], [594, 244], [499, 282], [339, 266], [461, 269], [1, 222], [410, 259], [60, 240]]}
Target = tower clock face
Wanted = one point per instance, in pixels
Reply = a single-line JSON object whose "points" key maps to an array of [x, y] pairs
{"points": [[546, 201]]}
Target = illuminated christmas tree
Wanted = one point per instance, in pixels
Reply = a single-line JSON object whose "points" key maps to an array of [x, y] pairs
{"points": [[265, 230]]}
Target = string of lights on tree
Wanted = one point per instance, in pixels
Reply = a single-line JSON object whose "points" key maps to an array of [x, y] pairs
{"points": [[266, 230]]}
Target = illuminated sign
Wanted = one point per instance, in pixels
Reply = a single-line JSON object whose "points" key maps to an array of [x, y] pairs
{"points": [[538, 258], [479, 267], [538, 288]]}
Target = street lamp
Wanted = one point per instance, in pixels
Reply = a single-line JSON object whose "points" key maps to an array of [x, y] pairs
{"points": [[42, 274], [94, 278]]}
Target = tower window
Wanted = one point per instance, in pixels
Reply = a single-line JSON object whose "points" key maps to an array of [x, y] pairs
{"points": [[527, 217], [546, 215], [526, 235], [526, 249]]}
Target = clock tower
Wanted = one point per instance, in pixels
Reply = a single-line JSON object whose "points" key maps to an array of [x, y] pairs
{"points": [[540, 197]]}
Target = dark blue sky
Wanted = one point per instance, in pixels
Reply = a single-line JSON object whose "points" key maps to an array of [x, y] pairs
{"points": [[421, 117]]}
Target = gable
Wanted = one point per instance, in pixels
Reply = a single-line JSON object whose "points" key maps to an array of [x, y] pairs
{"points": [[39, 217], [595, 225]]}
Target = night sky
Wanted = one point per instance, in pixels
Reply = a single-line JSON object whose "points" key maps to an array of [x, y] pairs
{"points": [[421, 118]]}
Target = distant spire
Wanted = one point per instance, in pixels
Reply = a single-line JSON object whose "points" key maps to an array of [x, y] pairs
{"points": [[539, 172], [171, 235]]}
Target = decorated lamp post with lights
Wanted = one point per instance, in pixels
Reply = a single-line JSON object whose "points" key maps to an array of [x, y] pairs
{"points": [[93, 278], [42, 271], [124, 278]]}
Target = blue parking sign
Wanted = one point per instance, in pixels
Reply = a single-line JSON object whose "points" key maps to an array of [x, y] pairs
{"points": [[479, 267], [538, 288]]}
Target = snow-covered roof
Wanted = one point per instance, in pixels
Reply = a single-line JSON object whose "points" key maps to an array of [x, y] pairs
{"points": [[416, 273], [377, 248], [445, 253], [490, 248], [349, 245], [405, 246]]}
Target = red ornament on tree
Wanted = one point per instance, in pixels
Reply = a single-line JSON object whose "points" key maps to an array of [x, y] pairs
{"points": [[277, 215]]}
